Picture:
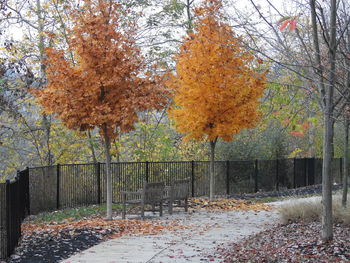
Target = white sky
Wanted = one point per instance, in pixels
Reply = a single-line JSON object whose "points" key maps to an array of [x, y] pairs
{"points": [[243, 5]]}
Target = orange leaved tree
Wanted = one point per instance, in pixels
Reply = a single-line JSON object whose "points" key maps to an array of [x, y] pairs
{"points": [[216, 90], [107, 84]]}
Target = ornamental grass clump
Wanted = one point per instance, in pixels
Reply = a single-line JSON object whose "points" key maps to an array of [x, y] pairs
{"points": [[309, 209]]}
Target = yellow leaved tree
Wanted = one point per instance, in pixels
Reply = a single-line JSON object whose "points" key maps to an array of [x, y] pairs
{"points": [[217, 90]]}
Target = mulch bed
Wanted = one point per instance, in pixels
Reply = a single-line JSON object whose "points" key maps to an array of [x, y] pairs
{"points": [[50, 247], [306, 190], [290, 243], [52, 242]]}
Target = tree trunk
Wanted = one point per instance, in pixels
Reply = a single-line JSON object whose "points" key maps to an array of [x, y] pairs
{"points": [[46, 123], [326, 93], [92, 148], [346, 137], [107, 146], [327, 218], [117, 155], [310, 133], [189, 17], [345, 164], [212, 159]]}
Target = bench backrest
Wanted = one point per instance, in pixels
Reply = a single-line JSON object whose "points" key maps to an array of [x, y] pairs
{"points": [[153, 192], [180, 188]]}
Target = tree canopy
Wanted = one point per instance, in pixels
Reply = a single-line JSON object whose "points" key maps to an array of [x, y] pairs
{"points": [[217, 88], [107, 84]]}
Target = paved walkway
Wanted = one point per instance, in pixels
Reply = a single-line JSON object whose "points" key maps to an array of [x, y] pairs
{"points": [[207, 230]]}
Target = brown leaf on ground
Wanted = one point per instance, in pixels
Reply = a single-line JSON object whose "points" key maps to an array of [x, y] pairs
{"points": [[52, 242], [228, 204], [291, 243], [119, 227]]}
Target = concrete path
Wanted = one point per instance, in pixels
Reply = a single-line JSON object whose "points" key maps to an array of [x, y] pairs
{"points": [[206, 231]]}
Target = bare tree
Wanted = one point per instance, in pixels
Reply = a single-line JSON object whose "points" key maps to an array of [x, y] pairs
{"points": [[310, 51]]}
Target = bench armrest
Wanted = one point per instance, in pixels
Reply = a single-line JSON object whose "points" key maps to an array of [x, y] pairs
{"points": [[131, 193], [166, 192]]}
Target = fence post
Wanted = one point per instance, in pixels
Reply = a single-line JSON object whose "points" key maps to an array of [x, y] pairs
{"points": [[256, 172], [27, 190], [294, 173], [227, 177], [277, 175], [147, 171], [192, 178], [20, 193], [98, 173], [306, 179], [58, 187], [341, 169], [311, 171], [8, 219]]}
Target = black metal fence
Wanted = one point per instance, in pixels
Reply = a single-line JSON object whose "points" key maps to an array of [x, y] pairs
{"points": [[14, 207], [43, 189], [72, 185]]}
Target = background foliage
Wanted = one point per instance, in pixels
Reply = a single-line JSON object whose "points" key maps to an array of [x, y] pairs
{"points": [[291, 124]]}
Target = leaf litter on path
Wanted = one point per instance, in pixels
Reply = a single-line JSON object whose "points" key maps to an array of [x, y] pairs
{"points": [[228, 204], [51, 242]]}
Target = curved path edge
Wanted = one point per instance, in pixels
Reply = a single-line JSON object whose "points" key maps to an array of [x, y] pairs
{"points": [[206, 230]]}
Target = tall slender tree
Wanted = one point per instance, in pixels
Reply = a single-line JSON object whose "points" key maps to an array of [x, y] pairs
{"points": [[328, 114], [309, 46], [345, 162], [217, 91]]}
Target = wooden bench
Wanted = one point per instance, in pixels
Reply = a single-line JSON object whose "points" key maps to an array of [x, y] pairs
{"points": [[177, 194], [150, 194]]}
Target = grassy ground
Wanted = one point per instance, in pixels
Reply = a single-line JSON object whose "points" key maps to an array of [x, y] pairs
{"points": [[269, 199], [74, 214]]}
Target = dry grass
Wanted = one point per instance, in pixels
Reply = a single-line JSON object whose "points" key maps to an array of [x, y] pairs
{"points": [[340, 214], [309, 209]]}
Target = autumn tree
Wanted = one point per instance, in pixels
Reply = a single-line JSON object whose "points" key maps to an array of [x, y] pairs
{"points": [[107, 85], [217, 90]]}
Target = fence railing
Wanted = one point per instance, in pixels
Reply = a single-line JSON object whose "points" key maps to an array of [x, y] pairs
{"points": [[71, 185], [43, 189], [14, 207]]}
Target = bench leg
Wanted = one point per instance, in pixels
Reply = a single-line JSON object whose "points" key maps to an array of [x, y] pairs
{"points": [[142, 212], [124, 209], [186, 205], [170, 207], [160, 209]]}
